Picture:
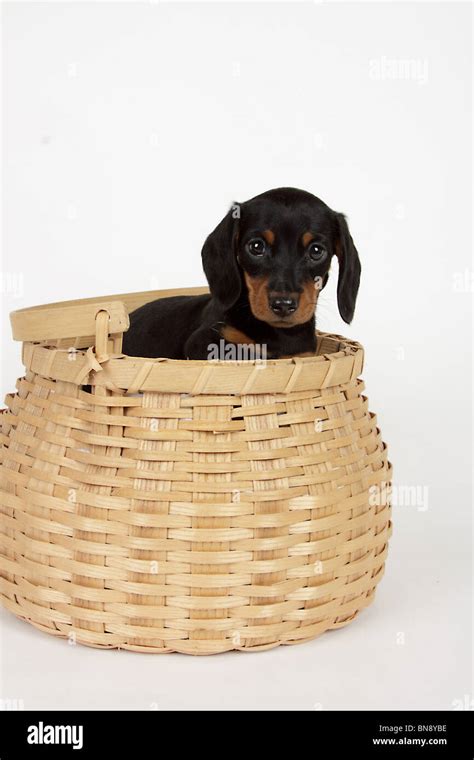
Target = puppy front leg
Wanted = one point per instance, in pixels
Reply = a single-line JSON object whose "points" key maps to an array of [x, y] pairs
{"points": [[203, 344]]}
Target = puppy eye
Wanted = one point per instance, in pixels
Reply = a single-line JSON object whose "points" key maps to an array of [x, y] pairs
{"points": [[256, 247], [316, 252]]}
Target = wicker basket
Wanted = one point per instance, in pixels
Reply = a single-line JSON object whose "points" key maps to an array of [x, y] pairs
{"points": [[192, 507]]}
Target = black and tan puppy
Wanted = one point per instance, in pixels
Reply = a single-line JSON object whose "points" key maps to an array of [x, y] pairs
{"points": [[266, 263]]}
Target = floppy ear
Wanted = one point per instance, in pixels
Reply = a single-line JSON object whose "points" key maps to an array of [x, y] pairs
{"points": [[349, 269], [219, 259]]}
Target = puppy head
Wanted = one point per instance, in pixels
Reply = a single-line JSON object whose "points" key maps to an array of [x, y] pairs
{"points": [[276, 250]]}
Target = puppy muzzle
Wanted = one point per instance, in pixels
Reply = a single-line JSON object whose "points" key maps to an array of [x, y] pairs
{"points": [[283, 305]]}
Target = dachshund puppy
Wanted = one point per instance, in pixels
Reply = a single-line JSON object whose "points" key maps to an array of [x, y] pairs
{"points": [[266, 263]]}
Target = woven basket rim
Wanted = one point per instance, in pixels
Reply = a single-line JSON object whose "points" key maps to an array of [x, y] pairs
{"points": [[47, 342]]}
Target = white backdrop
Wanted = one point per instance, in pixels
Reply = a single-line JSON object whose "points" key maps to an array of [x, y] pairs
{"points": [[128, 128]]}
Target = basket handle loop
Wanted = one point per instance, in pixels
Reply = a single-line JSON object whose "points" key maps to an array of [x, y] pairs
{"points": [[96, 356], [102, 335]]}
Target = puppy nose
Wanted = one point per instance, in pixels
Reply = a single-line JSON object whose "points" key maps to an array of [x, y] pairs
{"points": [[283, 305]]}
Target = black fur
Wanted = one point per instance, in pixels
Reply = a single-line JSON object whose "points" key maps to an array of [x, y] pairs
{"points": [[183, 327]]}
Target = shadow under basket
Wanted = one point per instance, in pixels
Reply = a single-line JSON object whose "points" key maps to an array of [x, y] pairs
{"points": [[185, 506]]}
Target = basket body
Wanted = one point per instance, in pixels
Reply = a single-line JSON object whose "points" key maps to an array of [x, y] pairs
{"points": [[193, 507]]}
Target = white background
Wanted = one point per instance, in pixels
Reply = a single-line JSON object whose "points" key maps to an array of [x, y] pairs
{"points": [[128, 128]]}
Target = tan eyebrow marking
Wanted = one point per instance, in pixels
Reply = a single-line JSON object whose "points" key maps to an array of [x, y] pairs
{"points": [[269, 236], [307, 238]]}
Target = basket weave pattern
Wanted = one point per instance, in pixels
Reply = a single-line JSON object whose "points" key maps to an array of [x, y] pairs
{"points": [[189, 506]]}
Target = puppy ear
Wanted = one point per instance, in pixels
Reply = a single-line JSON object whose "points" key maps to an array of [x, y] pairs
{"points": [[219, 259], [349, 269]]}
